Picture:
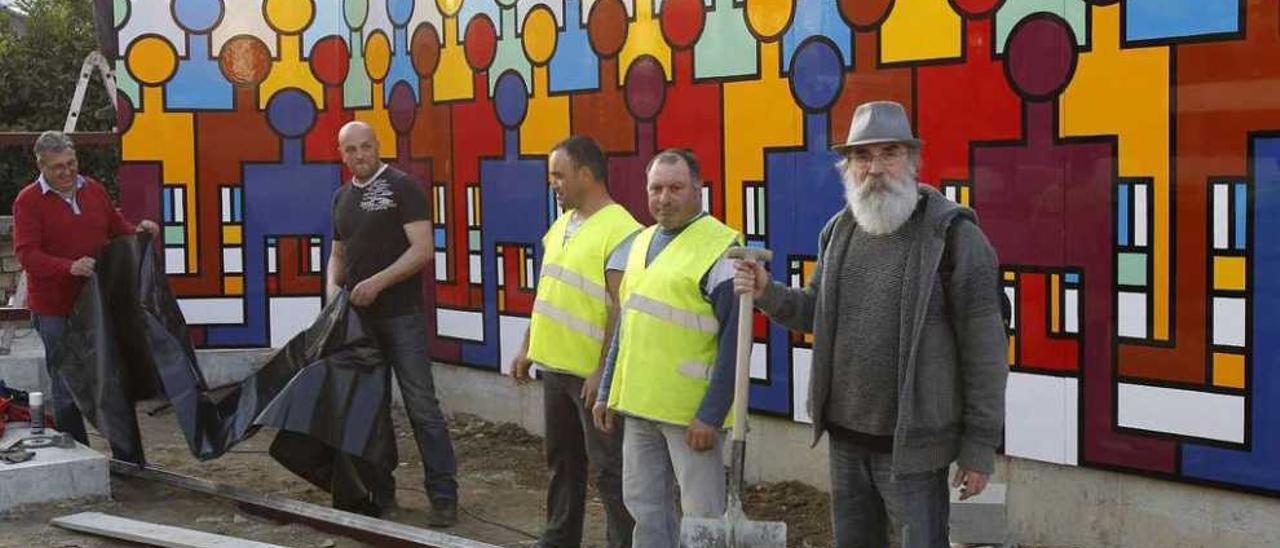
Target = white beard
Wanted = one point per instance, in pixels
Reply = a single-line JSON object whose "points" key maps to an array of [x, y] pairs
{"points": [[881, 205]]}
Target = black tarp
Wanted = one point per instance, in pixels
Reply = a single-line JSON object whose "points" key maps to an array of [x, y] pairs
{"points": [[326, 391]]}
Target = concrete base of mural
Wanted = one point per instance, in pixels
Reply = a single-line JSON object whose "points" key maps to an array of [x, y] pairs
{"points": [[23, 368], [982, 519], [55, 474]]}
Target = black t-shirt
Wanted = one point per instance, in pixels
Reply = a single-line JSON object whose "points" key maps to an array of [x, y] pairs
{"points": [[369, 222]]}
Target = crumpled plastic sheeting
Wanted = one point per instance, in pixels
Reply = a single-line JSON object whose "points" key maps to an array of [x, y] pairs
{"points": [[326, 391]]}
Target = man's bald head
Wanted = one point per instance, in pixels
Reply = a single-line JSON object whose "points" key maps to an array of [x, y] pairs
{"points": [[358, 145]]}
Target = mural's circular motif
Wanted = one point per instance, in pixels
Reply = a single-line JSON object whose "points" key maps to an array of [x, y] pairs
{"points": [[865, 14], [646, 88], [399, 11], [197, 16], [330, 60], [377, 55], [539, 38], [481, 43], [245, 60], [355, 12], [124, 113], [449, 8], [975, 8], [510, 99], [291, 113], [607, 27], [817, 75], [289, 16], [1040, 56], [769, 18], [682, 22], [121, 13], [424, 50], [402, 107], [151, 60]]}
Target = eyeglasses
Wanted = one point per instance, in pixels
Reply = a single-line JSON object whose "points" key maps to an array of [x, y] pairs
{"points": [[864, 158]]}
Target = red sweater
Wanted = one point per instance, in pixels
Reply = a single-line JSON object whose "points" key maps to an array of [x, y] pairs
{"points": [[48, 236]]}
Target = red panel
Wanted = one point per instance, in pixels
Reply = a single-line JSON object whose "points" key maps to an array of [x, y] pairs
{"points": [[1039, 350], [687, 120]]}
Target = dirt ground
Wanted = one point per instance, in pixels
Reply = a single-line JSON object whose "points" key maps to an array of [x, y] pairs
{"points": [[502, 483]]}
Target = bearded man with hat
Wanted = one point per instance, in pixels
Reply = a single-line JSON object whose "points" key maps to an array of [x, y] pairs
{"points": [[909, 342]]}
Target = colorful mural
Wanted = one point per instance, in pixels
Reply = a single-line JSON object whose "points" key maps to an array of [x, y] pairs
{"points": [[1123, 155]]}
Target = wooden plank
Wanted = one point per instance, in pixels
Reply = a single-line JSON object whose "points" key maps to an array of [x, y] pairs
{"points": [[373, 530], [152, 534]]}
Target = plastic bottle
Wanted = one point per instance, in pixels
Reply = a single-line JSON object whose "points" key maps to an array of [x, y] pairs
{"points": [[36, 399]]}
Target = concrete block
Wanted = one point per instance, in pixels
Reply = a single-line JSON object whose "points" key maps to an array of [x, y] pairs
{"points": [[23, 368], [55, 474], [981, 519]]}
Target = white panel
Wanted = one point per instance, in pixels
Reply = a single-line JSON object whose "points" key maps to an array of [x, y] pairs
{"points": [[951, 194], [291, 315], [424, 12], [1041, 417], [1228, 321], [179, 205], [1132, 314], [1185, 412], [460, 324], [759, 361], [376, 18], [475, 274], [750, 213], [175, 260], [1221, 220], [1071, 307], [206, 311], [442, 265], [528, 270], [226, 204], [243, 17], [315, 258], [523, 7], [233, 260], [1140, 215], [511, 331], [152, 17], [271, 258], [501, 269], [801, 364], [1012, 293]]}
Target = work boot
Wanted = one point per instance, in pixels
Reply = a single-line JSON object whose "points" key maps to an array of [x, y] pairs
{"points": [[444, 513]]}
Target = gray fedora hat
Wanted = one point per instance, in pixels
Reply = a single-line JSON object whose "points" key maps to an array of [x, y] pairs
{"points": [[879, 122]]}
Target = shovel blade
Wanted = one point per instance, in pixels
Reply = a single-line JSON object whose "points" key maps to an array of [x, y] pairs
{"points": [[720, 533]]}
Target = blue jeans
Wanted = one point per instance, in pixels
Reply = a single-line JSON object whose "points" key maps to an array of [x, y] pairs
{"points": [[403, 341], [865, 495], [66, 416]]}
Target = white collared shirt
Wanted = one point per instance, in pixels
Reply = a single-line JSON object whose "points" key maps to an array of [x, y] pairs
{"points": [[69, 198]]}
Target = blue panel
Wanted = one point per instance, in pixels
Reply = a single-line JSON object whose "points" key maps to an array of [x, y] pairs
{"points": [[1071, 277], [237, 207], [1242, 217], [289, 198], [168, 205], [1256, 468], [807, 188], [328, 20], [198, 82], [1122, 215], [574, 65], [817, 19], [440, 239], [1159, 19], [401, 68], [472, 8]]}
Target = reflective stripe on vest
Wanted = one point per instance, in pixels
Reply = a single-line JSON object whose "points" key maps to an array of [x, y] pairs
{"points": [[667, 342], [567, 327]]}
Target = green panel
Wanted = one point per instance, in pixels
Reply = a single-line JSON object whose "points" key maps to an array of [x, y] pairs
{"points": [[510, 54], [175, 235], [1074, 12], [726, 47], [357, 91], [1131, 269], [473, 240]]}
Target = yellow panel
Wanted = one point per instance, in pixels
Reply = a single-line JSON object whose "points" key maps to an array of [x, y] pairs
{"points": [[453, 79], [377, 55], [1228, 370], [749, 129], [289, 16], [539, 36], [547, 121], [644, 37], [1054, 303], [168, 138], [768, 18], [1012, 356], [964, 197], [1136, 110], [449, 8], [233, 285], [152, 60], [921, 30], [1229, 273], [1010, 276], [291, 71], [232, 235], [380, 119]]}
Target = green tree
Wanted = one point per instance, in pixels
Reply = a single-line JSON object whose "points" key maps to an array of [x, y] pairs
{"points": [[39, 67]]}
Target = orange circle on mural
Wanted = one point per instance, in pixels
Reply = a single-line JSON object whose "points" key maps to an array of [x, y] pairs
{"points": [[245, 60], [768, 18], [288, 16], [151, 60], [449, 8], [377, 55], [539, 35]]}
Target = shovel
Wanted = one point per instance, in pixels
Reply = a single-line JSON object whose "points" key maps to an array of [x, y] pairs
{"points": [[734, 530]]}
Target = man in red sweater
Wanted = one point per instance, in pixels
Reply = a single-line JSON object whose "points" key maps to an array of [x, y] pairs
{"points": [[61, 221]]}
